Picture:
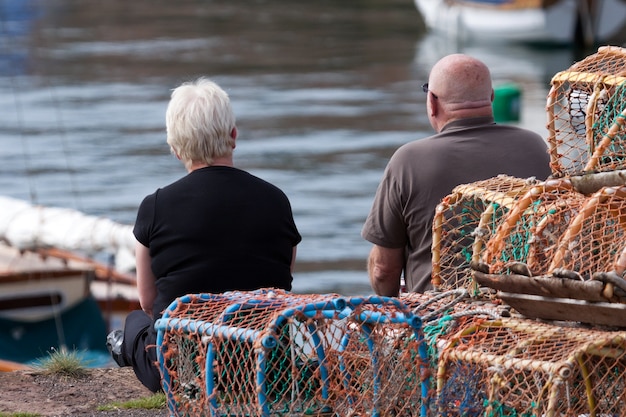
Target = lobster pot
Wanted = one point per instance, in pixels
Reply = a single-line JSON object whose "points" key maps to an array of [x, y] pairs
{"points": [[464, 221], [443, 314], [525, 368], [586, 115], [273, 353], [526, 239], [595, 237]]}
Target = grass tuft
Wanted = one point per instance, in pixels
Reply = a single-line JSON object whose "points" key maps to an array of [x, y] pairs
{"points": [[153, 402], [19, 415], [64, 363]]}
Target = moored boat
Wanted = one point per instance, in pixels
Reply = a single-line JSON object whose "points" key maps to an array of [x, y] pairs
{"points": [[51, 297], [531, 21]]}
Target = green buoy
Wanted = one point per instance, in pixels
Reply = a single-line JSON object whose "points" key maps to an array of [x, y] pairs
{"points": [[507, 103]]}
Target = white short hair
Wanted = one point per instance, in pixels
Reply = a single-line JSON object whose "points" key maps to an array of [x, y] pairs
{"points": [[199, 122]]}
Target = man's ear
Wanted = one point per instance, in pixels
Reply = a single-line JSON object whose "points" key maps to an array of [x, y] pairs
{"points": [[432, 104]]}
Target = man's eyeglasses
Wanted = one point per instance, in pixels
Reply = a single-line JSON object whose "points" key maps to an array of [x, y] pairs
{"points": [[426, 90]]}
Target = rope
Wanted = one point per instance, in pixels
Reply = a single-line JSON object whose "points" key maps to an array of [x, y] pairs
{"points": [[460, 294]]}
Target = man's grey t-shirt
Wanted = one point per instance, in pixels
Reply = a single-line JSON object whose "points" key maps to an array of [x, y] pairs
{"points": [[421, 173]]}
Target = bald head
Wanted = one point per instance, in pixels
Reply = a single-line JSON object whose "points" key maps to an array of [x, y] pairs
{"points": [[463, 85]]}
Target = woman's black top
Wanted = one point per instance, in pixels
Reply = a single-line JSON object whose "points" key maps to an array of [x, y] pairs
{"points": [[217, 229]]}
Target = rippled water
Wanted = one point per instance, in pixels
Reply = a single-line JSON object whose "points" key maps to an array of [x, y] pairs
{"points": [[324, 92]]}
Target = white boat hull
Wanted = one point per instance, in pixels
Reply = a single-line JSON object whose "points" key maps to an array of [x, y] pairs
{"points": [[38, 296], [484, 23], [36, 286]]}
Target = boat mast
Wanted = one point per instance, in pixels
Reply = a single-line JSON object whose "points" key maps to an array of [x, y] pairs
{"points": [[586, 11]]}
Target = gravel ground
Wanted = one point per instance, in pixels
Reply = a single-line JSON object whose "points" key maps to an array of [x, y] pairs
{"points": [[53, 395]]}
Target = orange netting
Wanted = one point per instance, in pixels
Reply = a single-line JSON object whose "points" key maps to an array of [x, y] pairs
{"points": [[515, 367], [273, 353], [527, 238], [555, 254], [595, 238], [586, 114], [463, 223], [443, 313], [520, 226]]}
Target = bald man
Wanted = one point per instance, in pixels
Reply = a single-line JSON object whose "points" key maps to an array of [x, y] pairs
{"points": [[468, 146]]}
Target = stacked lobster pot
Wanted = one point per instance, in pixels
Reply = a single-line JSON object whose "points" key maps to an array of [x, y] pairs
{"points": [[571, 231], [555, 249], [553, 252]]}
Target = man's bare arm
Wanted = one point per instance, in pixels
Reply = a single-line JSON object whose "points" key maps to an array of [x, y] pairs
{"points": [[385, 267]]}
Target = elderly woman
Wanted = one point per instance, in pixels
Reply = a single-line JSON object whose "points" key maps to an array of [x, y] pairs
{"points": [[216, 229]]}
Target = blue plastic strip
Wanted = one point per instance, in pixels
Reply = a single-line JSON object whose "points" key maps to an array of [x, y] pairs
{"points": [[261, 383], [423, 352], [208, 375], [342, 366], [321, 356], [367, 331], [171, 404], [310, 310]]}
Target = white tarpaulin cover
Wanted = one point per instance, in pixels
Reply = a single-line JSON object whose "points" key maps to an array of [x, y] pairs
{"points": [[27, 226]]}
